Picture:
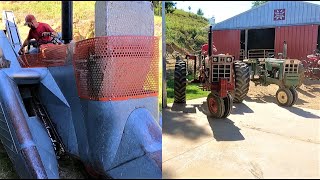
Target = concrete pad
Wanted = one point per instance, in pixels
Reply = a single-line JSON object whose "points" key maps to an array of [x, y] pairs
{"points": [[258, 140]]}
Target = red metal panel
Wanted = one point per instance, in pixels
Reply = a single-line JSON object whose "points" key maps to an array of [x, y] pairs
{"points": [[111, 68], [301, 40], [227, 41], [50, 55]]}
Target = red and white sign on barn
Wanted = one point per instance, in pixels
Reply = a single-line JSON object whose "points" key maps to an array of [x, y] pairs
{"points": [[279, 14]]}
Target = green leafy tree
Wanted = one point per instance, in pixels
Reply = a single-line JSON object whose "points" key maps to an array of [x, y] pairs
{"points": [[157, 7], [257, 3], [200, 12], [169, 5]]}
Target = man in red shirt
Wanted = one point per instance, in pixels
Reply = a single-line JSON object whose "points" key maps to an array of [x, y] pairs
{"points": [[39, 31], [205, 49]]}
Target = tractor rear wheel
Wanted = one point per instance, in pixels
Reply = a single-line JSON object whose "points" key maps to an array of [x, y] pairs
{"points": [[180, 81], [284, 97], [242, 80], [215, 105], [294, 95], [228, 103]]}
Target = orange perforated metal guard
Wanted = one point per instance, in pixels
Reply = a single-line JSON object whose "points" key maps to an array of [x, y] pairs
{"points": [[117, 67], [49, 55]]}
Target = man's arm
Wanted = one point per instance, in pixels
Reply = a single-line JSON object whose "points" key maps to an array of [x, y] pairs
{"points": [[214, 49], [50, 33], [24, 44]]}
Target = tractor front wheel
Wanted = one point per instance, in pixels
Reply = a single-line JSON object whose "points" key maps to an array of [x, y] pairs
{"points": [[228, 103], [180, 81], [215, 105], [284, 97], [301, 71], [242, 80], [294, 95]]}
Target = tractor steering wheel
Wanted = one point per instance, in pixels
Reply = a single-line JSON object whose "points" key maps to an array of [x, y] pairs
{"points": [[54, 40]]}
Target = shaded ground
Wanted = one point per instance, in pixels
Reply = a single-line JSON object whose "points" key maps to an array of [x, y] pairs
{"points": [[253, 142], [258, 140]]}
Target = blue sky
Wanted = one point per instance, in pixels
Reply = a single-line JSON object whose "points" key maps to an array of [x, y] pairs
{"points": [[222, 10]]}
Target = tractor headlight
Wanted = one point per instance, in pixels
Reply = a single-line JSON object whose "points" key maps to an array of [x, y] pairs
{"points": [[215, 59], [228, 59]]}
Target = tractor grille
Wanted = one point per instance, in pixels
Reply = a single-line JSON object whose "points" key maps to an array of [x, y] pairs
{"points": [[291, 66], [221, 71]]}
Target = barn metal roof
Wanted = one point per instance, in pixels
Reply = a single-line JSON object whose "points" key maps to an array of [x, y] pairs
{"points": [[272, 14]]}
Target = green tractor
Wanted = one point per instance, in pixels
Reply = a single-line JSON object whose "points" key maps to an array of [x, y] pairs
{"points": [[286, 73]]}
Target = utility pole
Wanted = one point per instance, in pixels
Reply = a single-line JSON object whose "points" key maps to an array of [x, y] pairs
{"points": [[164, 76]]}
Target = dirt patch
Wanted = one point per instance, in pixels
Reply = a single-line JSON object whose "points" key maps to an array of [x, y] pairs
{"points": [[308, 94]]}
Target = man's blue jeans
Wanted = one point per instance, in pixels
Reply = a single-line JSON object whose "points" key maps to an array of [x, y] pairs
{"points": [[33, 50]]}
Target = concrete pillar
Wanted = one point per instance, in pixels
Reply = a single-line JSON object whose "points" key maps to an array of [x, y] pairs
{"points": [[117, 18]]}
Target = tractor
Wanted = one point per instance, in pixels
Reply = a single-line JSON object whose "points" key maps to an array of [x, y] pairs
{"points": [[78, 99], [226, 78], [284, 72]]}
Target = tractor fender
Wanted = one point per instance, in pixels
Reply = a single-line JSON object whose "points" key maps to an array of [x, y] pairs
{"points": [[141, 145]]}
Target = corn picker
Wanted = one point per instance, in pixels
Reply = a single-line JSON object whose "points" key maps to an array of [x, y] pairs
{"points": [[80, 99], [286, 73], [312, 66], [226, 78]]}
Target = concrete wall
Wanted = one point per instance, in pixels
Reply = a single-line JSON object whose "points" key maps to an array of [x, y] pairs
{"points": [[118, 18]]}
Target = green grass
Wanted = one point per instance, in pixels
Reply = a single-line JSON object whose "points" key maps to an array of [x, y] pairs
{"points": [[192, 92]]}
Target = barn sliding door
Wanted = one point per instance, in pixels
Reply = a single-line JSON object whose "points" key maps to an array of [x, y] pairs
{"points": [[227, 41], [301, 40]]}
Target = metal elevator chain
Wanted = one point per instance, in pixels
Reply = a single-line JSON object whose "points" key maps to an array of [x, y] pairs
{"points": [[39, 110]]}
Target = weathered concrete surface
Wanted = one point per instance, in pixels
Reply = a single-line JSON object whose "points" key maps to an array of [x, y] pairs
{"points": [[258, 140]]}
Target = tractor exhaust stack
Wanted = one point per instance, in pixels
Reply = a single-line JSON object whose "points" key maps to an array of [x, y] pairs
{"points": [[285, 47], [210, 41], [66, 21]]}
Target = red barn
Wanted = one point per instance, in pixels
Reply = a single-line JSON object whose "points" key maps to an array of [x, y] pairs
{"points": [[263, 29]]}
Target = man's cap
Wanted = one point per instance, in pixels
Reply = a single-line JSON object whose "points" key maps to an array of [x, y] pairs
{"points": [[29, 18]]}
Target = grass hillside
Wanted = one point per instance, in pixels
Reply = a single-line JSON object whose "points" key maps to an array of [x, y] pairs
{"points": [[185, 31], [50, 12]]}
